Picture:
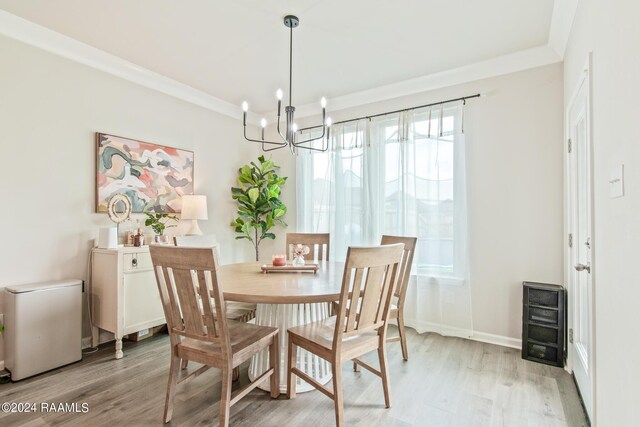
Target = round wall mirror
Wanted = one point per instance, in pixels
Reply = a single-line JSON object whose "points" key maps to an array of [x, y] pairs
{"points": [[119, 208]]}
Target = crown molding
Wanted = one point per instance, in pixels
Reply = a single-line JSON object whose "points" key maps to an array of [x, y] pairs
{"points": [[43, 38], [519, 61], [564, 11]]}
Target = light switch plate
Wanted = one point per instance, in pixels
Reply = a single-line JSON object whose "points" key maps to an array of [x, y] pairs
{"points": [[616, 182]]}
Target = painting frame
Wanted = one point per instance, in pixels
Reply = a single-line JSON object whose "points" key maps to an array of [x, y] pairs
{"points": [[153, 176]]}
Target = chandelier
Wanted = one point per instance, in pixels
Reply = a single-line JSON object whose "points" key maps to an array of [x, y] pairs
{"points": [[288, 138]]}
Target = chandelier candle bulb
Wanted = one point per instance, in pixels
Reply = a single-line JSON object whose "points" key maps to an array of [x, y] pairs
{"points": [[245, 108], [279, 96], [323, 102]]}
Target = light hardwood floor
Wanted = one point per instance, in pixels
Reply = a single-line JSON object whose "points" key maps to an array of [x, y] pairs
{"points": [[446, 382]]}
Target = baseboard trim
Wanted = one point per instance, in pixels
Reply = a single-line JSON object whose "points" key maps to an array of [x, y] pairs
{"points": [[497, 339], [451, 331], [445, 330]]}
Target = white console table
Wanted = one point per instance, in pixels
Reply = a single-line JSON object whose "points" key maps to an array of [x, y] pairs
{"points": [[124, 293]]}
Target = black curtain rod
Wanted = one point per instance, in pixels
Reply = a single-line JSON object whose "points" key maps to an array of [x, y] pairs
{"points": [[464, 98]]}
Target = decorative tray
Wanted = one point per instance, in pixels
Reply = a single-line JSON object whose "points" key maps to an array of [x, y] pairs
{"points": [[268, 268]]}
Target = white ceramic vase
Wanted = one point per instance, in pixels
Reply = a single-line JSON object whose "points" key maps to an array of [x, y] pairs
{"points": [[162, 239]]}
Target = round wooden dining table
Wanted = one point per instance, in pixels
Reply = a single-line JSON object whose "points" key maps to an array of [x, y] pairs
{"points": [[285, 299]]}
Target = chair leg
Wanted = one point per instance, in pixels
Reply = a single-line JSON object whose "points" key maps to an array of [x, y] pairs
{"points": [[236, 374], [274, 361], [356, 367], [174, 372], [291, 379], [225, 396], [384, 371], [337, 392], [403, 336]]}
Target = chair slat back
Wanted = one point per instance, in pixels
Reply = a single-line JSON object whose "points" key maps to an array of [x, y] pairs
{"points": [[405, 264], [318, 244], [190, 292], [201, 241], [370, 276]]}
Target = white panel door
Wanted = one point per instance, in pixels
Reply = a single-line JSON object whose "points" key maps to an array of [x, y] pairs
{"points": [[581, 283]]}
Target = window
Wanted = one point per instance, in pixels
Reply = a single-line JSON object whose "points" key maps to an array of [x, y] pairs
{"points": [[398, 174]]}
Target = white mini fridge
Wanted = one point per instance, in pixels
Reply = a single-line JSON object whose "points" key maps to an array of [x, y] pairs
{"points": [[43, 326]]}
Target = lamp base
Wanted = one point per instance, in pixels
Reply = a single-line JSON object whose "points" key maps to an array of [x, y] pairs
{"points": [[195, 229]]}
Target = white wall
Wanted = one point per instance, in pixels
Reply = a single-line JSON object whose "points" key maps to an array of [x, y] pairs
{"points": [[514, 138], [49, 110], [610, 30]]}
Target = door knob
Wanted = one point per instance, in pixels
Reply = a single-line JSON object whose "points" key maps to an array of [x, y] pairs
{"points": [[581, 267]]}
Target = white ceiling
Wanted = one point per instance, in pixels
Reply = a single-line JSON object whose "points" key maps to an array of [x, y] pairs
{"points": [[237, 50]]}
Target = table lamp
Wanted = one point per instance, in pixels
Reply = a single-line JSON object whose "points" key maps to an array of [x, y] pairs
{"points": [[194, 207]]}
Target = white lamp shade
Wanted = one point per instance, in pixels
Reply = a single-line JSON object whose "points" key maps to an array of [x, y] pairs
{"points": [[194, 207]]}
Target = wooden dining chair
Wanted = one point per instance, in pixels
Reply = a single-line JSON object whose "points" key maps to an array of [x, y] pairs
{"points": [[400, 294], [318, 244], [239, 311], [191, 294], [359, 327], [242, 312]]}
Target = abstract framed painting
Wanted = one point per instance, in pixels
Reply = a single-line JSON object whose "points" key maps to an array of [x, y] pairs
{"points": [[153, 177]]}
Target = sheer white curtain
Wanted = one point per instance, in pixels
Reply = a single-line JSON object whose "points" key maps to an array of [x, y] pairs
{"points": [[399, 174]]}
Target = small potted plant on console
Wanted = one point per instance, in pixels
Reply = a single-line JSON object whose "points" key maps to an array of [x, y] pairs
{"points": [[158, 223]]}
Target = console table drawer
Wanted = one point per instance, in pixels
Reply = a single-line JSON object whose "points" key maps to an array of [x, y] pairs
{"points": [[137, 261]]}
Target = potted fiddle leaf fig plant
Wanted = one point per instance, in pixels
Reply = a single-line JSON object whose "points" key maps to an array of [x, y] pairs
{"points": [[158, 223], [259, 205]]}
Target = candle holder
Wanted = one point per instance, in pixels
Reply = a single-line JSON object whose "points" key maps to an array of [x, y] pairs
{"points": [[278, 260]]}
